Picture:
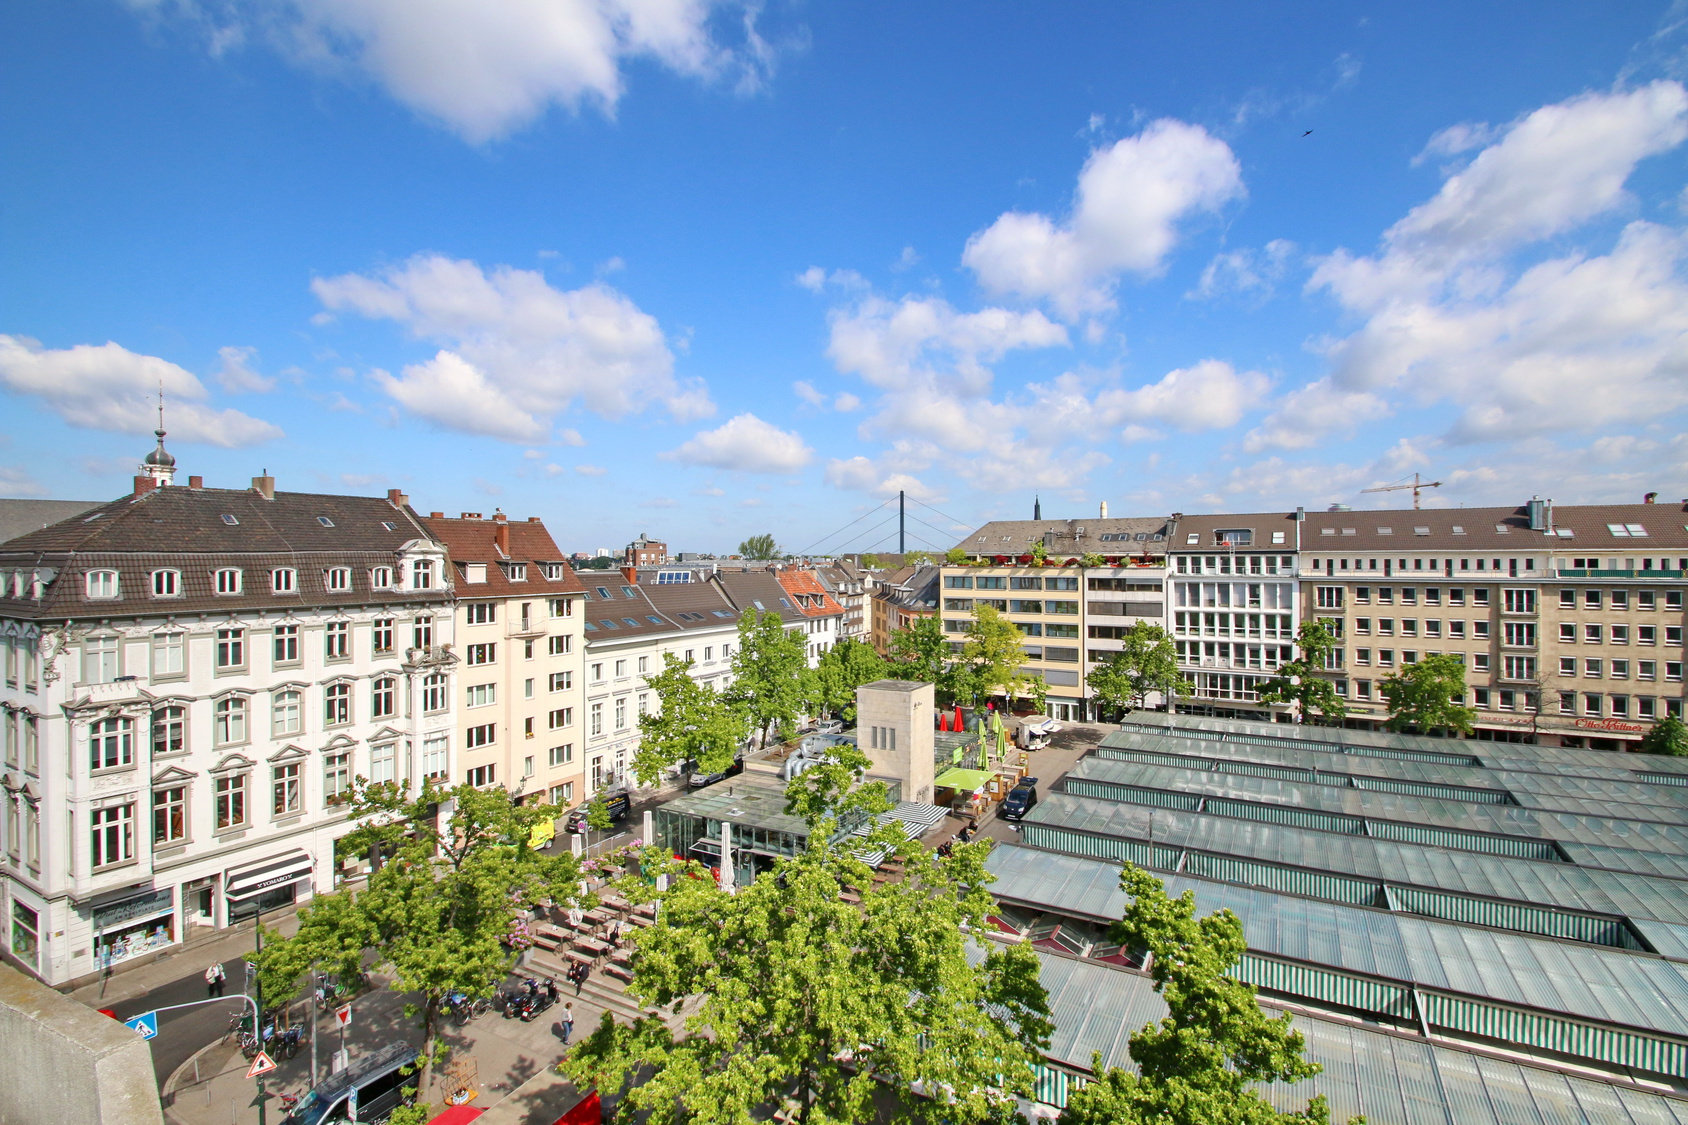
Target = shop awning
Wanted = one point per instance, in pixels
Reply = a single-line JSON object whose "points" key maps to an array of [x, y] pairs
{"points": [[970, 780], [252, 879]]}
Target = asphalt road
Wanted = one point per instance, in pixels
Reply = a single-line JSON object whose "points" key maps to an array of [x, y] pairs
{"points": [[182, 1033]]}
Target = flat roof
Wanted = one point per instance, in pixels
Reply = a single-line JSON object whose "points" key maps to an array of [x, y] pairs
{"points": [[749, 800]]}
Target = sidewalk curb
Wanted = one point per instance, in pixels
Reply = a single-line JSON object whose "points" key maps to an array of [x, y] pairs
{"points": [[168, 1093]]}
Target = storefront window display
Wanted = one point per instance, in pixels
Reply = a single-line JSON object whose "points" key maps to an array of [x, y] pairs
{"points": [[134, 926], [26, 935]]}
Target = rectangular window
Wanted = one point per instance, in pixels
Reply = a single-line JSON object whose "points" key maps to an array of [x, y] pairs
{"points": [[337, 640], [433, 693], [560, 755], [100, 660], [1520, 634], [621, 666], [285, 790], [231, 801], [435, 749], [166, 583], [169, 815], [383, 698], [597, 720], [231, 648], [562, 646], [113, 835], [621, 714], [482, 654], [1568, 632], [1591, 634], [480, 613], [381, 578], [381, 636], [1567, 665], [1620, 669], [1593, 668], [287, 644], [481, 775], [561, 681], [1592, 704], [482, 735], [228, 580], [1620, 634], [285, 714], [1591, 599], [1519, 601], [480, 695], [111, 744], [422, 574], [383, 762], [422, 633], [1328, 597], [597, 673], [1646, 707], [169, 654], [1673, 635], [1480, 630], [336, 777], [337, 705], [645, 661], [1519, 668], [527, 766], [562, 717]]}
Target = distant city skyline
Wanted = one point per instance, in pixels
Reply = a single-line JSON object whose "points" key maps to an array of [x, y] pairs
{"points": [[735, 269]]}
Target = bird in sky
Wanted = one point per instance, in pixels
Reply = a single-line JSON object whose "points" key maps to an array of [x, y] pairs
{"points": [[1308, 133]]}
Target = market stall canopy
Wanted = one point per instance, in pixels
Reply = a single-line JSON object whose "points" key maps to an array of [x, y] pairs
{"points": [[970, 780]]}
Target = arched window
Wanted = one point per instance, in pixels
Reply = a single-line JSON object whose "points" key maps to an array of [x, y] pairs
{"points": [[166, 583], [283, 580], [337, 704], [102, 583], [230, 724], [285, 713], [228, 580], [381, 578], [169, 730], [339, 578]]}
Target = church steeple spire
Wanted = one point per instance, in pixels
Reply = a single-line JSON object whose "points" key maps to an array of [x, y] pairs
{"points": [[1037, 502], [158, 464]]}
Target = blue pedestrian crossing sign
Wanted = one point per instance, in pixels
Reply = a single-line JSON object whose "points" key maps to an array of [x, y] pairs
{"points": [[145, 1024]]}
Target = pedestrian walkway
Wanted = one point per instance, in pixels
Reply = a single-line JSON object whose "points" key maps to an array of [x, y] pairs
{"points": [[225, 946]]}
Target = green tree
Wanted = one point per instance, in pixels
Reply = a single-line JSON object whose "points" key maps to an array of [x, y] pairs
{"points": [[916, 558], [843, 668], [1298, 680], [870, 562], [1200, 1064], [956, 556], [919, 651], [691, 721], [1428, 695], [437, 912], [1669, 736], [990, 660], [1092, 560], [773, 684], [1147, 664], [817, 1003], [1040, 553], [760, 547]]}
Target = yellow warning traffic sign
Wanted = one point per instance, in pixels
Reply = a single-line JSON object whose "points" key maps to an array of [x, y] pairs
{"points": [[263, 1064]]}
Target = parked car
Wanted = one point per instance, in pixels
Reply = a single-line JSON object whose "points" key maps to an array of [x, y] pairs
{"points": [[1020, 799], [374, 1084], [616, 804], [699, 779]]}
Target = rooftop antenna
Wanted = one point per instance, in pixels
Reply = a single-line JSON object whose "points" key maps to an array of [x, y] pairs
{"points": [[1415, 484]]}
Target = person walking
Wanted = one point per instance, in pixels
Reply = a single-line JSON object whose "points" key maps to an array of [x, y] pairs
{"points": [[567, 1021], [580, 978], [214, 980]]}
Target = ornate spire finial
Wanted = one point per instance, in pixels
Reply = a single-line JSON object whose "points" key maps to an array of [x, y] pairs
{"points": [[159, 465]]}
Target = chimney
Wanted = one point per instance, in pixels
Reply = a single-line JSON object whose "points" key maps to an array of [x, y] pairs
{"points": [[1650, 497], [1104, 514], [397, 498], [436, 515], [264, 486], [196, 483], [501, 532], [533, 519], [144, 484], [631, 573]]}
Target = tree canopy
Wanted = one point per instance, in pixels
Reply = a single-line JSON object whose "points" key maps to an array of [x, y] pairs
{"points": [[955, 556], [437, 911], [1298, 680], [920, 652], [1429, 695], [773, 685], [1668, 736], [810, 1000], [691, 721], [1148, 664], [870, 562], [1199, 1065], [760, 547], [990, 660], [843, 668]]}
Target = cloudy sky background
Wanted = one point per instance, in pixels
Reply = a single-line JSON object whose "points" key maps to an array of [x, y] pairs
{"points": [[709, 269]]}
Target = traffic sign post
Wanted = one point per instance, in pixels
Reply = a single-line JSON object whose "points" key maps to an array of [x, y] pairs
{"points": [[343, 1017], [145, 1025], [261, 1064]]}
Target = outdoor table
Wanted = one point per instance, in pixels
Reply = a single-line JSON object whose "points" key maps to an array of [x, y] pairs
{"points": [[591, 944], [600, 915], [576, 955], [639, 921], [613, 903], [644, 910]]}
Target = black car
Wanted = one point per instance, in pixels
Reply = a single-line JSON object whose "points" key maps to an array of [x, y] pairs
{"points": [[616, 804], [375, 1084], [1020, 799]]}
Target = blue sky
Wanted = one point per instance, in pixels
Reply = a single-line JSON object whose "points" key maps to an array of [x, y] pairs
{"points": [[706, 270]]}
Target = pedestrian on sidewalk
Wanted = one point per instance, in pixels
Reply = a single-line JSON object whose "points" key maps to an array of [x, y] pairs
{"points": [[567, 1021], [580, 977], [214, 980]]}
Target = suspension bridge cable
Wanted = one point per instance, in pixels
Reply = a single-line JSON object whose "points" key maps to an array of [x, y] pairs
{"points": [[887, 522], [846, 527]]}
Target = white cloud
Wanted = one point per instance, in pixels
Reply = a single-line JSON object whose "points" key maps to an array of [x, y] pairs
{"points": [[923, 339], [570, 437], [1131, 199], [1456, 139], [1303, 417], [1210, 395], [236, 374], [860, 474], [1245, 271], [590, 470], [534, 350], [846, 402], [484, 68], [659, 502], [747, 444], [806, 391], [109, 387], [15, 481]]}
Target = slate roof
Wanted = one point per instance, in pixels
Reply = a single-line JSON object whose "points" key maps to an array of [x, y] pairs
{"points": [[1577, 529], [200, 530], [1260, 525], [476, 540], [20, 517], [1071, 537], [760, 590]]}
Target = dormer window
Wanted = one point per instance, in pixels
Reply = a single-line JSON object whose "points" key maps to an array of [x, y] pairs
{"points": [[283, 581], [339, 578], [102, 583], [166, 583], [517, 572], [230, 520], [228, 579], [422, 574], [553, 572], [381, 578], [474, 573]]}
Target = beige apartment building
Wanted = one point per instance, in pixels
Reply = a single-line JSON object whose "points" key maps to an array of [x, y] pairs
{"points": [[521, 657]]}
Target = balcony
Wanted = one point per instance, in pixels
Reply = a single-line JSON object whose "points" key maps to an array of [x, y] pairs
{"points": [[122, 690], [523, 627], [1573, 573], [431, 655]]}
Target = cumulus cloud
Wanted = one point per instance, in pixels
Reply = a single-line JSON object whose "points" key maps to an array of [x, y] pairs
{"points": [[15, 481], [806, 391], [1132, 198], [1570, 342], [924, 339], [484, 68], [1303, 417], [1245, 272], [236, 375], [862, 474], [108, 387], [590, 470], [531, 350], [745, 444]]}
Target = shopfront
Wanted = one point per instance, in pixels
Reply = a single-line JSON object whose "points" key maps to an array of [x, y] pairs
{"points": [[25, 936], [266, 885], [128, 927]]}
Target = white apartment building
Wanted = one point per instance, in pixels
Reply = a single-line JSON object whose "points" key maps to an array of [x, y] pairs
{"points": [[520, 689], [194, 677]]}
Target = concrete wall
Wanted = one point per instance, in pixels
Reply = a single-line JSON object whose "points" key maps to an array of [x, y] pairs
{"points": [[894, 724], [62, 1063]]}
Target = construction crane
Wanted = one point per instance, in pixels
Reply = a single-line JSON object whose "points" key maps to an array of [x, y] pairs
{"points": [[1415, 484]]}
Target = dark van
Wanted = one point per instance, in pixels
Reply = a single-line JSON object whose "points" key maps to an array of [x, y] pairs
{"points": [[616, 804], [1020, 800], [377, 1082]]}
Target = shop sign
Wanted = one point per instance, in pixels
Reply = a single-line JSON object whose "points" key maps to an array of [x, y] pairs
{"points": [[142, 906], [1611, 725]]}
